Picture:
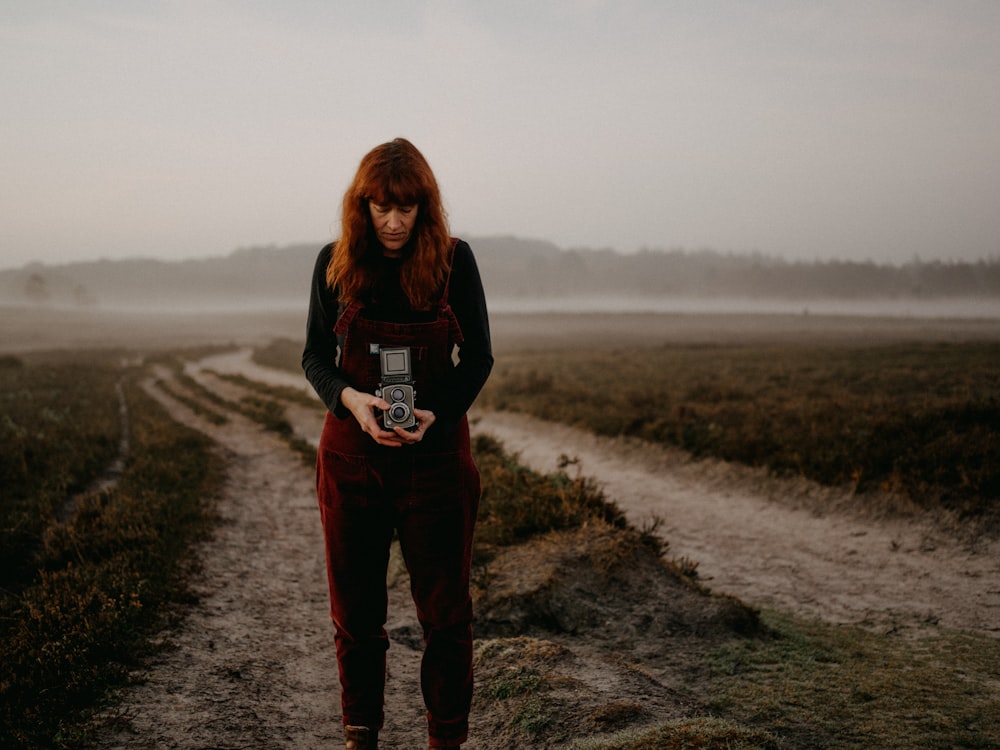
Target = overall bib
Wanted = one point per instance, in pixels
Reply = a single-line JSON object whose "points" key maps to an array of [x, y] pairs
{"points": [[428, 494]]}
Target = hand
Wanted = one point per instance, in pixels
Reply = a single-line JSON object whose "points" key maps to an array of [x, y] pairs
{"points": [[424, 420], [363, 406]]}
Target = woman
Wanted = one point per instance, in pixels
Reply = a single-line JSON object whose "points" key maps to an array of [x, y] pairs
{"points": [[396, 283]]}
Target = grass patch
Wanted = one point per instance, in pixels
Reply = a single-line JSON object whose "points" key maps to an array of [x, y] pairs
{"points": [[59, 429], [78, 618], [282, 392], [518, 503], [820, 685], [920, 420], [280, 354], [526, 678], [264, 404], [701, 733], [194, 404]]}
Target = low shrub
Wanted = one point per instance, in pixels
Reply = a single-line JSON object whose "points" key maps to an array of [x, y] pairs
{"points": [[103, 581], [921, 420], [59, 429], [518, 503]]}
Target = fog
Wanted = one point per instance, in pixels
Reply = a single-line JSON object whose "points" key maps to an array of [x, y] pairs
{"points": [[528, 277], [873, 308], [803, 130], [944, 309]]}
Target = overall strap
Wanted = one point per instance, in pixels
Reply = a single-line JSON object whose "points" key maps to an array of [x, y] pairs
{"points": [[454, 329], [347, 317], [447, 278]]}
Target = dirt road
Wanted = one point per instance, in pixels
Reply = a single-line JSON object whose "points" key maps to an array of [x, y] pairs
{"points": [[252, 665], [761, 539]]}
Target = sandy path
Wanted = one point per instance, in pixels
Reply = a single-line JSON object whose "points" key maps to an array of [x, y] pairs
{"points": [[252, 665], [835, 566]]}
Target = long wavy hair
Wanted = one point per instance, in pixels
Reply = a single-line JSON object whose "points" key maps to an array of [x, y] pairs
{"points": [[393, 173]]}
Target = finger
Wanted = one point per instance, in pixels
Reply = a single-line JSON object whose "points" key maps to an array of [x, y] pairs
{"points": [[410, 437]]}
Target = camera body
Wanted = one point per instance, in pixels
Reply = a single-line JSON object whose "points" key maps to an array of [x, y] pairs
{"points": [[396, 387]]}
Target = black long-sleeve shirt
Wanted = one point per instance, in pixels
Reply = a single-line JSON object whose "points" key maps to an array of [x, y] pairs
{"points": [[320, 358]]}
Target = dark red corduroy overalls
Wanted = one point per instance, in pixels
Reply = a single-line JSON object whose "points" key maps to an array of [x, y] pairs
{"points": [[429, 494]]}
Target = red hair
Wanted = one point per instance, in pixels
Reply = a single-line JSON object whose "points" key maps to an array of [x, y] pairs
{"points": [[394, 173]]}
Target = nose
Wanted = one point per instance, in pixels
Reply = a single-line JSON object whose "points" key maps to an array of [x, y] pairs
{"points": [[395, 218]]}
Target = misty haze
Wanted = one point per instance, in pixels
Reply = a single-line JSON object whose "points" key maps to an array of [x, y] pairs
{"points": [[523, 275]]}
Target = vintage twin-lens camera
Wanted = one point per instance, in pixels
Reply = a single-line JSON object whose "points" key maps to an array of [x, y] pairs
{"points": [[396, 387]]}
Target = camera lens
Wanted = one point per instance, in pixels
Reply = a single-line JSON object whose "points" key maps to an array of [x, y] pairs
{"points": [[397, 394], [399, 412]]}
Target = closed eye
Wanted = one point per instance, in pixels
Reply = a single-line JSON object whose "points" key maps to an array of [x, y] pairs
{"points": [[384, 209]]}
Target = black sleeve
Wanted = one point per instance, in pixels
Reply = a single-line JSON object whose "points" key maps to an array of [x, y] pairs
{"points": [[475, 354], [319, 358]]}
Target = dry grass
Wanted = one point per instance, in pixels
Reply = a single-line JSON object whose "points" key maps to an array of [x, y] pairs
{"points": [[819, 685], [59, 428], [918, 420], [92, 588]]}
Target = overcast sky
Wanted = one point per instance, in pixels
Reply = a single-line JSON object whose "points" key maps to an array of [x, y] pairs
{"points": [[807, 130]]}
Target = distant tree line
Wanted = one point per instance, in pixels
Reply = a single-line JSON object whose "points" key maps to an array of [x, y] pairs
{"points": [[709, 273], [511, 267]]}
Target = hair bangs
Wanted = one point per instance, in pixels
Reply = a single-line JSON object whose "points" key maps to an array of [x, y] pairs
{"points": [[402, 188]]}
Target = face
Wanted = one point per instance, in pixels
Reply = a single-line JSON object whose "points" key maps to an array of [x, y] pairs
{"points": [[393, 224]]}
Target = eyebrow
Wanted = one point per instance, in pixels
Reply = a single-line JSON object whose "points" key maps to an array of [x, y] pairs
{"points": [[387, 204]]}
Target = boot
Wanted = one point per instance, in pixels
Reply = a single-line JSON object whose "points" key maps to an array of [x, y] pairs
{"points": [[360, 738]]}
